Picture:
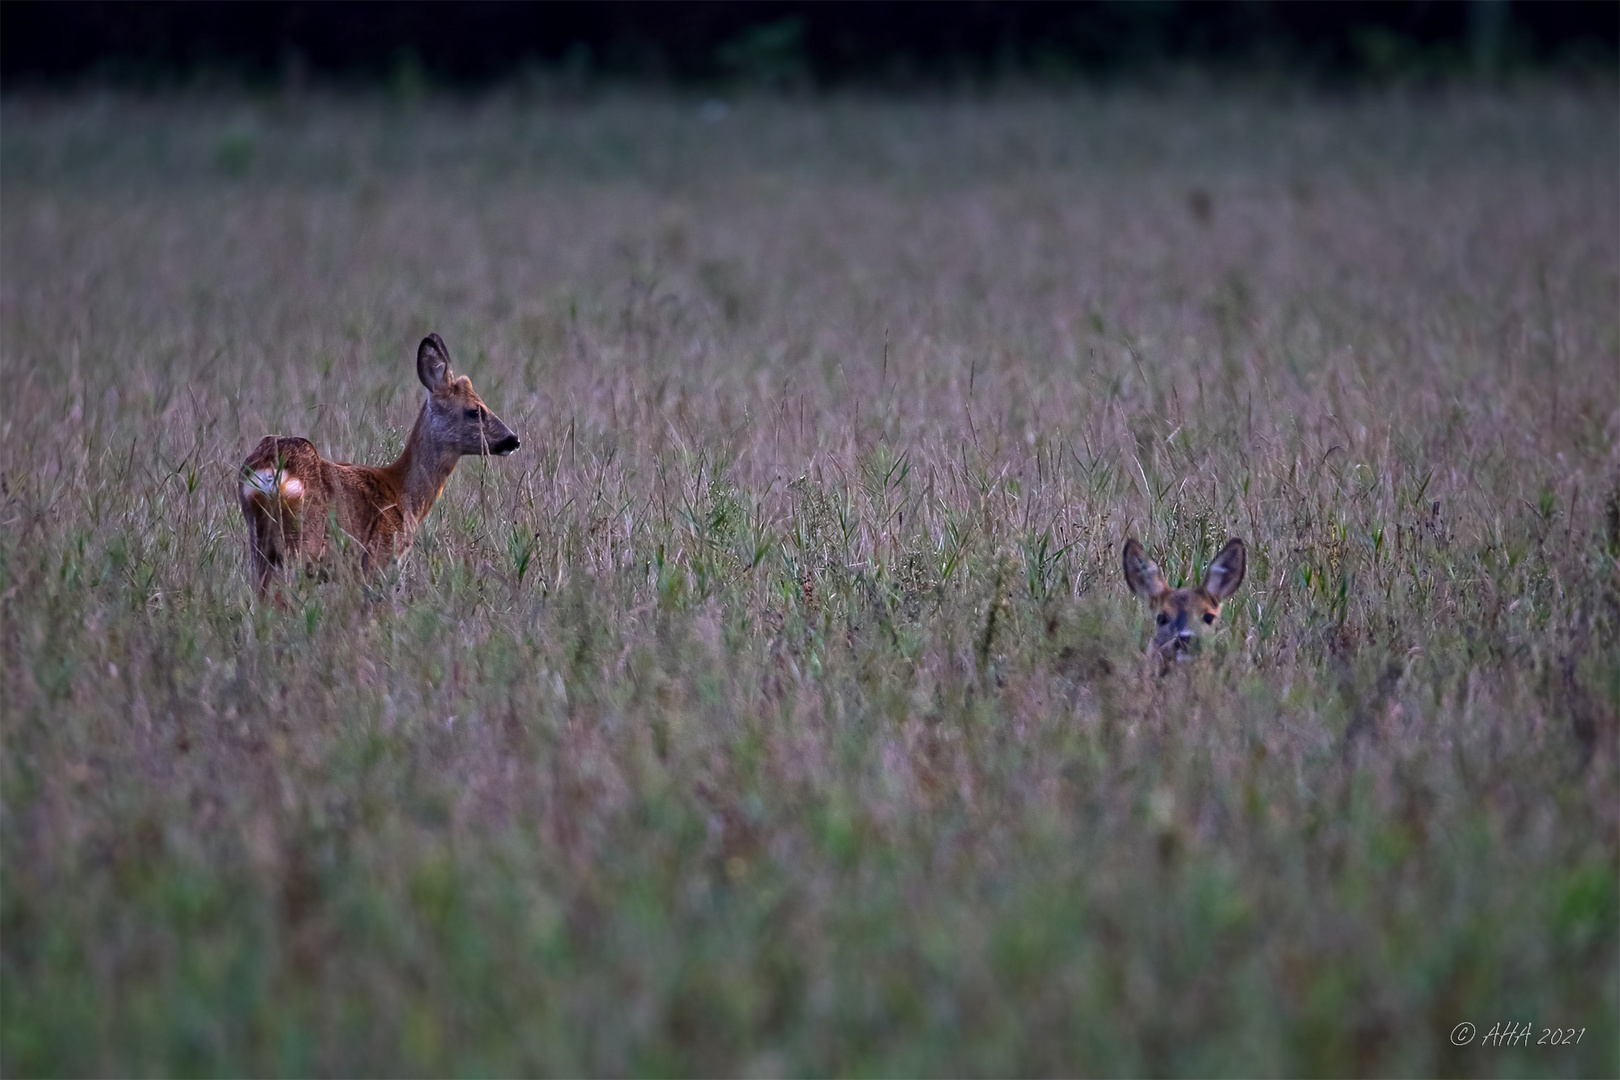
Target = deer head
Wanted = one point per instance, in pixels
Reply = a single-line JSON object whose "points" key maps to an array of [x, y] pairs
{"points": [[457, 418], [1182, 613]]}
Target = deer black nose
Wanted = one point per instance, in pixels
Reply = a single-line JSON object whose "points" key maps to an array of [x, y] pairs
{"points": [[505, 446]]}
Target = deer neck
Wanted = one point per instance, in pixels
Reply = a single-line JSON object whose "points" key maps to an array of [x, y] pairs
{"points": [[422, 469]]}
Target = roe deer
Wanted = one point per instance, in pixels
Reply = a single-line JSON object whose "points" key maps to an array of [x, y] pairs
{"points": [[1180, 612], [289, 492]]}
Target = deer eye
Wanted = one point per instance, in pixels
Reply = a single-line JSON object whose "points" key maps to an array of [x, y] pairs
{"points": [[1209, 616], [1163, 618], [472, 414]]}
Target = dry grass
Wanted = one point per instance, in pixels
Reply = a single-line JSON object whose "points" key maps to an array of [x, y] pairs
{"points": [[779, 707]]}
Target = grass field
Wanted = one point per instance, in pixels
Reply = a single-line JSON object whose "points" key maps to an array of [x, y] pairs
{"points": [[779, 708]]}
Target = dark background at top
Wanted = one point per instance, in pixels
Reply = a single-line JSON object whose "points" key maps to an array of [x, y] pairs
{"points": [[793, 46]]}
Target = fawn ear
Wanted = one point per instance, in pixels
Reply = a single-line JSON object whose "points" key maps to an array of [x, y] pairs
{"points": [[1225, 574], [432, 362], [1142, 574]]}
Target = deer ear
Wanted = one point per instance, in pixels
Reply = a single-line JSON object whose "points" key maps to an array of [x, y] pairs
{"points": [[1225, 574], [432, 362], [1142, 574]]}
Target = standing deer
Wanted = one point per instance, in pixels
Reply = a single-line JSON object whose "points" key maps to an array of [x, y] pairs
{"points": [[1180, 612], [289, 492]]}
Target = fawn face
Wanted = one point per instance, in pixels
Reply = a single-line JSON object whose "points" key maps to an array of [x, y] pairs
{"points": [[457, 417], [1182, 613]]}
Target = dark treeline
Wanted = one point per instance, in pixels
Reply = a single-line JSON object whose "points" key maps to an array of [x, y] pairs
{"points": [[785, 45]]}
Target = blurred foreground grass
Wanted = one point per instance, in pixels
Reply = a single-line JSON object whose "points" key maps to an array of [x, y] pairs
{"points": [[778, 708]]}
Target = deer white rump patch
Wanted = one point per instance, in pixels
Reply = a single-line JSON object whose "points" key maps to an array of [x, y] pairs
{"points": [[263, 482]]}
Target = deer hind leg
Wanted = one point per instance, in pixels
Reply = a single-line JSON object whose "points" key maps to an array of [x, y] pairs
{"points": [[273, 548], [264, 547]]}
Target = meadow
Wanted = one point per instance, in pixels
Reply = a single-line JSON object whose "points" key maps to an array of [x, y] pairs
{"points": [[779, 708]]}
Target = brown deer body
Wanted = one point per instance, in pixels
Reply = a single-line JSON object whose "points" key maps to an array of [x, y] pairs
{"points": [[289, 493], [1181, 613]]}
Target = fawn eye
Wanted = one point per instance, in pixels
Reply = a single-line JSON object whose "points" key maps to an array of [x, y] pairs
{"points": [[472, 414], [1163, 618], [1209, 616]]}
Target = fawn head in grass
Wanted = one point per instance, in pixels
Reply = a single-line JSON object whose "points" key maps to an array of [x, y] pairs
{"points": [[1181, 613], [290, 494]]}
